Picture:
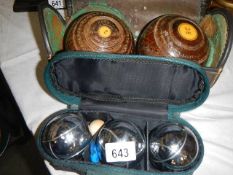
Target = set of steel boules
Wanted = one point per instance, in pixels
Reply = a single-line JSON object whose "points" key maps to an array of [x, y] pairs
{"points": [[172, 146]]}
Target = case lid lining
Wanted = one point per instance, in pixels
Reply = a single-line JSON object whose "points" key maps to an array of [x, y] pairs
{"points": [[127, 80]]}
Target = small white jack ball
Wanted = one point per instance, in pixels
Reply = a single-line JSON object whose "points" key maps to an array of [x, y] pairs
{"points": [[95, 125]]}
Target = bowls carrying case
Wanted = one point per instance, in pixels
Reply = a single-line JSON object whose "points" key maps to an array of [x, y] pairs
{"points": [[141, 89], [145, 90], [217, 23]]}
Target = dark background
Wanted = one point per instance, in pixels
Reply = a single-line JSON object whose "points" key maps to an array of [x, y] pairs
{"points": [[26, 5], [21, 155]]}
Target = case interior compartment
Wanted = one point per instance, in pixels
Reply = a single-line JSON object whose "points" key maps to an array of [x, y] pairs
{"points": [[144, 125]]}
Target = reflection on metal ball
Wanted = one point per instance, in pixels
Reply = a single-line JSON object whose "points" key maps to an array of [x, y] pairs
{"points": [[66, 135], [173, 147], [117, 131]]}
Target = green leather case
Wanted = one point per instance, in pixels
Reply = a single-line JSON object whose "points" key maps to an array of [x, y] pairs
{"points": [[139, 88]]}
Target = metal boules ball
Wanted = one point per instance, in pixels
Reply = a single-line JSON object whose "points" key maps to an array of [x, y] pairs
{"points": [[173, 147], [120, 131], [66, 136]]}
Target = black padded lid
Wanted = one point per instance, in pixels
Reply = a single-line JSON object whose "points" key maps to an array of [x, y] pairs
{"points": [[126, 79]]}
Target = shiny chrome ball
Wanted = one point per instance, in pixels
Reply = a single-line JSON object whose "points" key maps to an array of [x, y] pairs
{"points": [[66, 135], [121, 131], [173, 146]]}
